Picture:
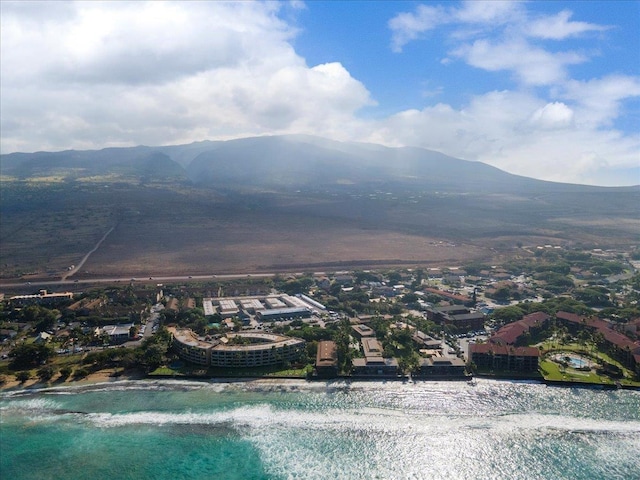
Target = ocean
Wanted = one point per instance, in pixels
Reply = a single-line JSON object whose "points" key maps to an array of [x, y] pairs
{"points": [[279, 429]]}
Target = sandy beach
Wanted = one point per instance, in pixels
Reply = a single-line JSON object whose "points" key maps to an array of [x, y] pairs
{"points": [[101, 376]]}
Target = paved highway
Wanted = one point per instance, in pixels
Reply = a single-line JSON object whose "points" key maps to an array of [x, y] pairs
{"points": [[150, 279]]}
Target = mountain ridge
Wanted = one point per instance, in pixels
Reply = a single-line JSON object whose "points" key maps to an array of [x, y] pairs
{"points": [[261, 203], [291, 161]]}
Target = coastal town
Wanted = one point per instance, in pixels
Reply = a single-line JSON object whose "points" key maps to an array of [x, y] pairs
{"points": [[559, 315]]}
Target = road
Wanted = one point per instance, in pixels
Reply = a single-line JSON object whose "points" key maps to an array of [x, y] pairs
{"points": [[143, 279], [75, 269]]}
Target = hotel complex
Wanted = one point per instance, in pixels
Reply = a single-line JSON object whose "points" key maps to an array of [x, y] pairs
{"points": [[240, 350]]}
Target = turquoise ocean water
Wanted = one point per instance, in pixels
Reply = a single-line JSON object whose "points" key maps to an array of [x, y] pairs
{"points": [[299, 430]]}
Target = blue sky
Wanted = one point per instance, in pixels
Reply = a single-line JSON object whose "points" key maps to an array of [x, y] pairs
{"points": [[543, 89], [360, 38]]}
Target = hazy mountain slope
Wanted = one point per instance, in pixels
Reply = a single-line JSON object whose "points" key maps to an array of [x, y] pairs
{"points": [[258, 203], [295, 162], [289, 161], [138, 162], [301, 161]]}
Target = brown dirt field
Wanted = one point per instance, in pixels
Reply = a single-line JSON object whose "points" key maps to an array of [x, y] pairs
{"points": [[182, 230], [273, 244]]}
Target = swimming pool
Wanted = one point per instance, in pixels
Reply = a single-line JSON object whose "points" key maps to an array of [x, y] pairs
{"points": [[572, 361], [575, 362]]}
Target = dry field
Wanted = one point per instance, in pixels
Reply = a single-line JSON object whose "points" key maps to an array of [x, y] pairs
{"points": [[252, 244], [177, 229]]}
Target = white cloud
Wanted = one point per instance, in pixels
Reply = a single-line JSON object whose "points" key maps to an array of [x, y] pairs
{"points": [[559, 27], [497, 36], [159, 72], [599, 99], [553, 116], [410, 26], [493, 12], [519, 133], [531, 65]]}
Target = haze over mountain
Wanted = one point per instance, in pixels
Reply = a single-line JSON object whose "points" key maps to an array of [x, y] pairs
{"points": [[285, 202], [288, 161]]}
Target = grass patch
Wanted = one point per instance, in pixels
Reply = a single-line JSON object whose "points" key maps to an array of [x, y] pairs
{"points": [[164, 371], [554, 372], [262, 372]]}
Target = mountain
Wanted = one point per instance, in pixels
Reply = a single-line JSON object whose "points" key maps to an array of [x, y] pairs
{"points": [[288, 161], [296, 201], [302, 161], [136, 162]]}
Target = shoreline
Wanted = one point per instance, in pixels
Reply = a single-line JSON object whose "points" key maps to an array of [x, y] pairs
{"points": [[105, 377], [100, 376]]}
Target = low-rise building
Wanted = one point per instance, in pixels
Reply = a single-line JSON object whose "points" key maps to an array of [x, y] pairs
{"points": [[373, 363], [327, 359], [280, 314], [207, 306], [43, 337], [376, 367], [371, 347], [251, 305], [514, 332], [311, 302], [227, 308], [425, 341], [42, 298], [117, 333], [274, 303], [458, 316], [489, 356], [443, 367], [362, 331]]}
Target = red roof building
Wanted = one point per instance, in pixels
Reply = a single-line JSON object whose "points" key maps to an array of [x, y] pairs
{"points": [[510, 333], [621, 347], [489, 356]]}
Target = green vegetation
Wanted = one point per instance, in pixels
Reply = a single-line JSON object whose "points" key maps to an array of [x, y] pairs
{"points": [[66, 353], [258, 372]]}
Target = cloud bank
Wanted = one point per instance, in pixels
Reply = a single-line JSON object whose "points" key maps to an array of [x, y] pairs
{"points": [[91, 74]]}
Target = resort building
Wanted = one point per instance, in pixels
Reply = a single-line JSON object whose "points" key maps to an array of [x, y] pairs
{"points": [[375, 367], [489, 356], [362, 331], [227, 308], [444, 367], [42, 298], [514, 332], [280, 314], [117, 333], [190, 348], [458, 316], [327, 359], [373, 363], [619, 346], [237, 350]]}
